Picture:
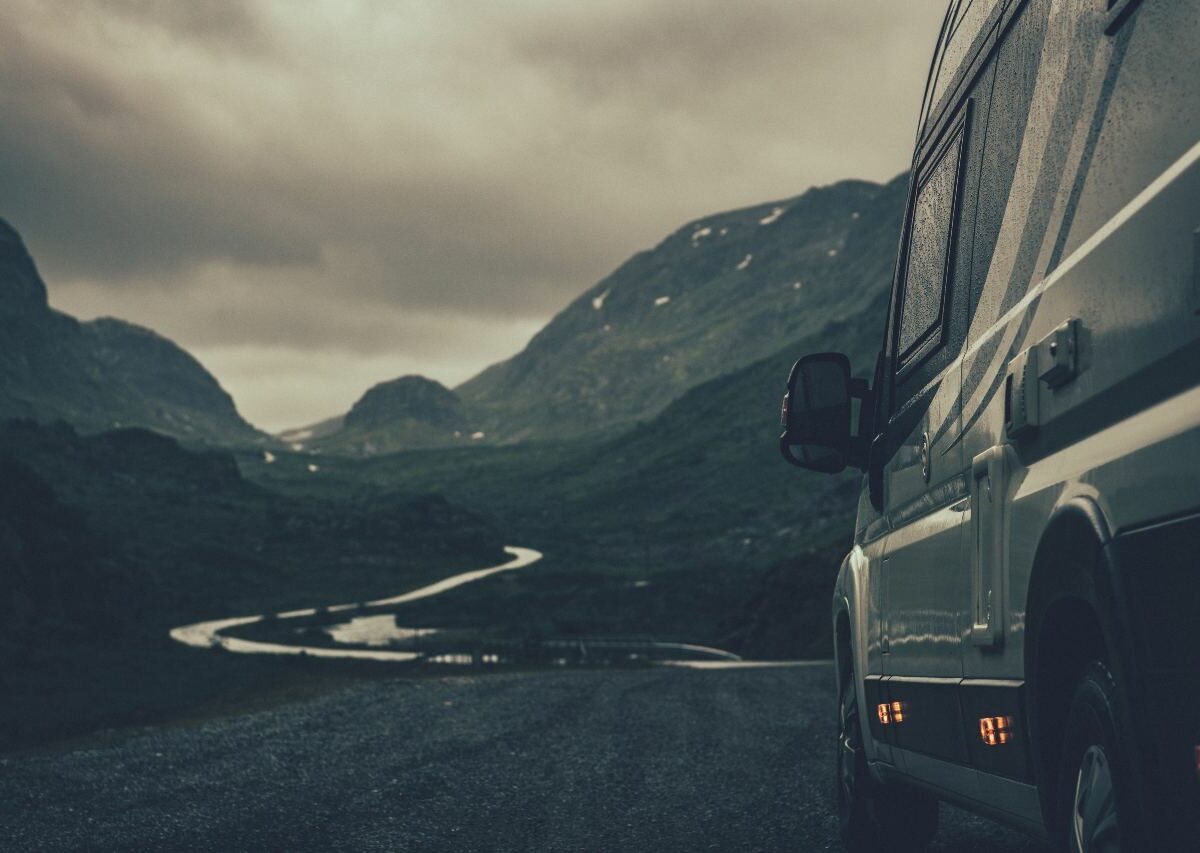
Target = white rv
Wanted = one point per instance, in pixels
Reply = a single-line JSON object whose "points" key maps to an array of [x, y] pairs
{"points": [[1018, 622]]}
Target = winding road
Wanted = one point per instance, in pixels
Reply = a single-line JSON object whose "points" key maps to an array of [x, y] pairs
{"points": [[207, 635], [211, 634]]}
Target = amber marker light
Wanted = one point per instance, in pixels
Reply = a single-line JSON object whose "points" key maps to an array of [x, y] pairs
{"points": [[996, 731], [898, 712]]}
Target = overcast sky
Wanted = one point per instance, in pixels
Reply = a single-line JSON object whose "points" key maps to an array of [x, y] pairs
{"points": [[316, 196]]}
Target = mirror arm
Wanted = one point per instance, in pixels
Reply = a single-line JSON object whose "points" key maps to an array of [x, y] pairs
{"points": [[875, 462], [860, 389]]}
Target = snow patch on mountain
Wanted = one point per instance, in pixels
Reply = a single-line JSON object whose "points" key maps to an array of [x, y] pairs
{"points": [[773, 216]]}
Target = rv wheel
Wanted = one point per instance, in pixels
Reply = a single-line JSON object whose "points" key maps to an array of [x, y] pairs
{"points": [[1096, 814]]}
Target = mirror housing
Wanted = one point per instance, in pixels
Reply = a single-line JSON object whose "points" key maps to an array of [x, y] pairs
{"points": [[816, 415]]}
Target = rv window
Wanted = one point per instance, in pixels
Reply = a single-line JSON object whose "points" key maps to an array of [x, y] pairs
{"points": [[930, 235]]}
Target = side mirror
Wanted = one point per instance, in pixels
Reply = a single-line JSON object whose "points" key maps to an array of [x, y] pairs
{"points": [[816, 414]]}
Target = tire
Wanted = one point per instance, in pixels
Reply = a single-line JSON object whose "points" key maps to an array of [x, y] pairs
{"points": [[1096, 809], [873, 816]]}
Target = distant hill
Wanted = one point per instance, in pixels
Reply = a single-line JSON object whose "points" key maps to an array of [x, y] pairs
{"points": [[101, 374], [301, 437], [720, 293], [407, 413]]}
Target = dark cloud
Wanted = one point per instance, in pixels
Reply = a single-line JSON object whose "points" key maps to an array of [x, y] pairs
{"points": [[222, 24], [309, 172], [108, 173]]}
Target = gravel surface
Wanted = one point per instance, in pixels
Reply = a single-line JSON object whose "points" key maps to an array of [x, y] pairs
{"points": [[657, 760]]}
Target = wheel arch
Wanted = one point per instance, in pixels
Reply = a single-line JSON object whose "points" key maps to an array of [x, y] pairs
{"points": [[1074, 614], [849, 594]]}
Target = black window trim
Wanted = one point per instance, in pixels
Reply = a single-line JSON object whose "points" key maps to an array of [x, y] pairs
{"points": [[1118, 13], [935, 117], [934, 338]]}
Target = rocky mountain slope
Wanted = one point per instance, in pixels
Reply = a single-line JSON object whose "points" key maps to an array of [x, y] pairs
{"points": [[100, 374], [720, 293]]}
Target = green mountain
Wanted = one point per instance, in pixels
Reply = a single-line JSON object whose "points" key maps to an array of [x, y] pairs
{"points": [[720, 293], [406, 413], [100, 374]]}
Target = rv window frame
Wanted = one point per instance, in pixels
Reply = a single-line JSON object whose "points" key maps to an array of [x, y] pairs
{"points": [[936, 117], [1118, 13], [931, 340]]}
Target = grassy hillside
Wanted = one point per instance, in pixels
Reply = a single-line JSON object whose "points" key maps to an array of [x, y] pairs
{"points": [[108, 541]]}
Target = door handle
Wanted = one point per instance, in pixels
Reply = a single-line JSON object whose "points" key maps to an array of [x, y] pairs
{"points": [[988, 488]]}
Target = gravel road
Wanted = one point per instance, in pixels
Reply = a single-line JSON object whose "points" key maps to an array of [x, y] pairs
{"points": [[657, 760]]}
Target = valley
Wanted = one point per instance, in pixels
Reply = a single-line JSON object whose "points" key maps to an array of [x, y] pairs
{"points": [[633, 442]]}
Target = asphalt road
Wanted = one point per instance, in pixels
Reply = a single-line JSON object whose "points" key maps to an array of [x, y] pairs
{"points": [[657, 760]]}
